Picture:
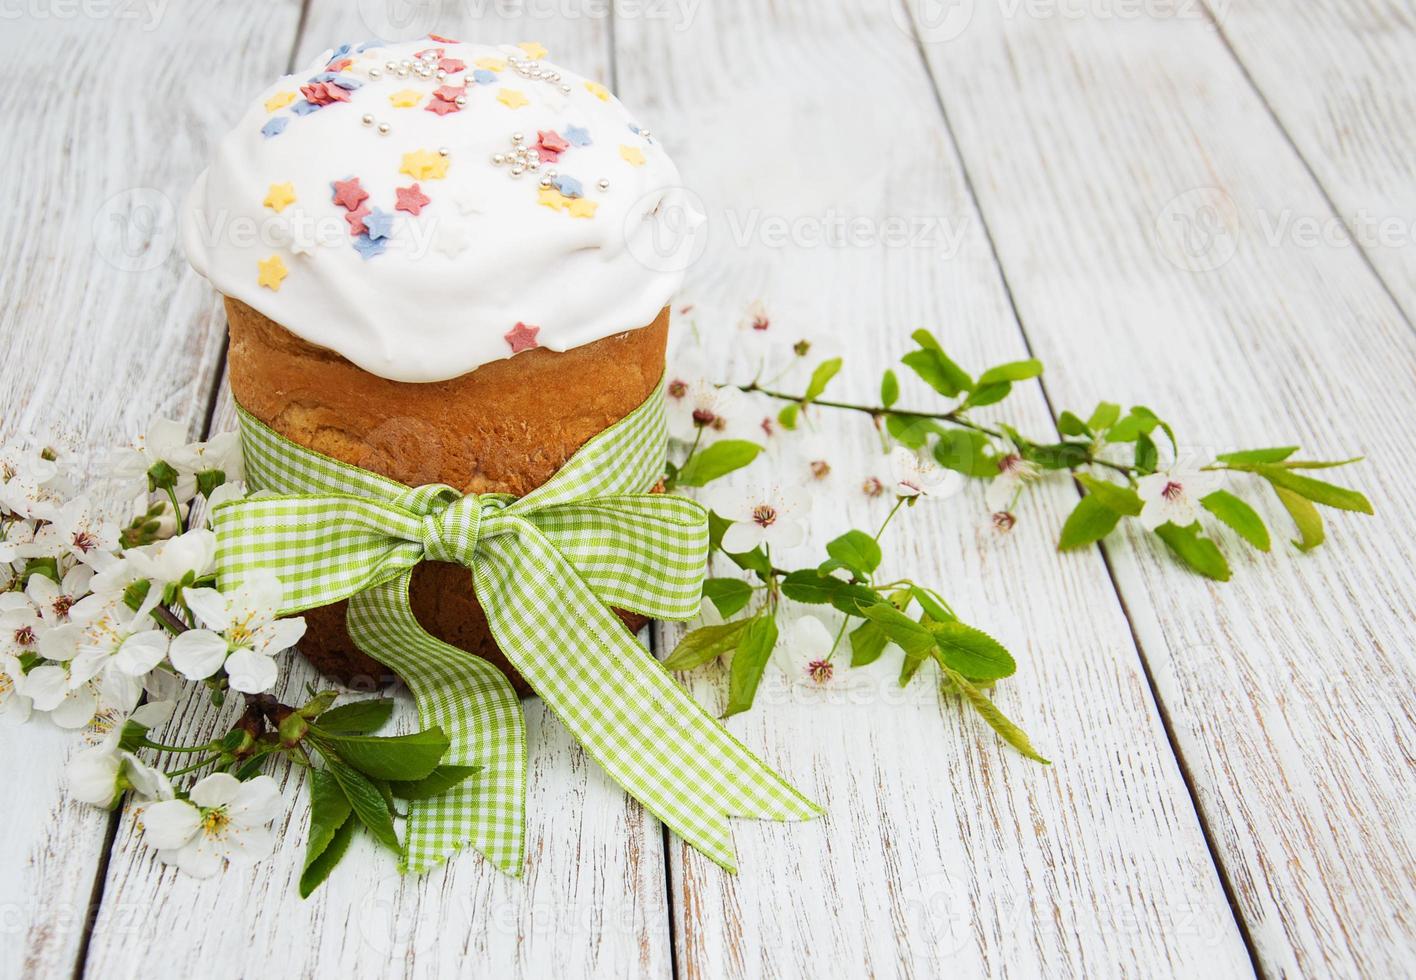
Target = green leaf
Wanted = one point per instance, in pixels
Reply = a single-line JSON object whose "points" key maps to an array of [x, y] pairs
{"points": [[867, 643], [811, 587], [209, 480], [966, 452], [1250, 457], [910, 430], [329, 809], [754, 649], [988, 394], [1138, 422], [1104, 416], [889, 389], [318, 867], [788, 415], [1070, 425], [936, 370], [1090, 521], [989, 712], [1012, 371], [1147, 456], [972, 652], [436, 783], [728, 595], [717, 460], [1319, 492], [1057, 456], [905, 632], [402, 757], [703, 644], [357, 717], [932, 605], [820, 378], [366, 800], [857, 551], [1195, 550], [1243, 519], [1305, 516], [1123, 500]]}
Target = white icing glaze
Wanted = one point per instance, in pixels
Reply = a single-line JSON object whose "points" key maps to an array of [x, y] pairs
{"points": [[483, 255]]}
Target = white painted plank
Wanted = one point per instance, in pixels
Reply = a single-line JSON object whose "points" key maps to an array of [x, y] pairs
{"points": [[1337, 73], [942, 852], [102, 325], [1093, 145], [593, 900]]}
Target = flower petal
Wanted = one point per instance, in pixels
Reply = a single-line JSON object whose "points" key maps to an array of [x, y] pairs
{"points": [[170, 823], [198, 653], [210, 606], [251, 672], [256, 803], [141, 652], [218, 789]]}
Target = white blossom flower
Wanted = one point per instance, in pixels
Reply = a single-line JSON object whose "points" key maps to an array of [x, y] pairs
{"points": [[47, 687], [1013, 473], [917, 476], [18, 537], [228, 491], [810, 460], [165, 442], [241, 633], [80, 529], [55, 600], [166, 562], [225, 820], [220, 452], [26, 477], [13, 704], [100, 775], [771, 515], [117, 642], [697, 407], [803, 653], [20, 624], [1174, 496]]}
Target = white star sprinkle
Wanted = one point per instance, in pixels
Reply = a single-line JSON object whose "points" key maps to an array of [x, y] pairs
{"points": [[451, 239]]}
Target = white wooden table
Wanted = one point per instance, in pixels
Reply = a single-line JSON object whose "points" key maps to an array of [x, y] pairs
{"points": [[1150, 196]]}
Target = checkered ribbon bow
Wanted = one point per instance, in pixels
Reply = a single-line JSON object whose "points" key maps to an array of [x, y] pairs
{"points": [[546, 568]]}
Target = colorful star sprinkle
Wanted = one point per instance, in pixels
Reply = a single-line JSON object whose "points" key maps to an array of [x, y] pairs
{"points": [[410, 199], [424, 165], [356, 217], [441, 40], [582, 207], [550, 145], [451, 65], [304, 107], [348, 194], [275, 126], [577, 135], [598, 90], [451, 239], [442, 106], [323, 93], [511, 98], [272, 272], [522, 337], [632, 155], [534, 49], [490, 64], [279, 101], [576, 207], [483, 77], [405, 99], [369, 247], [280, 197], [569, 186]]}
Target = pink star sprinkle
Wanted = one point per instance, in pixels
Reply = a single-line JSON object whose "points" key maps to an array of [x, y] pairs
{"points": [[323, 93], [442, 40], [522, 337], [356, 220], [551, 140], [410, 199], [451, 65], [348, 194], [449, 94], [442, 107]]}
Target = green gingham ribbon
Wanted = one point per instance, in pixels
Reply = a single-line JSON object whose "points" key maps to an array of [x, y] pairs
{"points": [[546, 569]]}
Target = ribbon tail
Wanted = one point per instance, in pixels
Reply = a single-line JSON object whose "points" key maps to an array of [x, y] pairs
{"points": [[472, 702], [644, 730]]}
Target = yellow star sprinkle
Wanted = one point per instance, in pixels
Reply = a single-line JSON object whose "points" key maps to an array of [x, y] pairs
{"points": [[272, 272], [552, 198], [582, 207], [405, 99], [511, 98], [424, 165], [632, 155], [598, 90], [490, 64], [534, 49], [280, 196], [279, 101]]}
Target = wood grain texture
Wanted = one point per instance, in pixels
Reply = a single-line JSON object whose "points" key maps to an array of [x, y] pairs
{"points": [[942, 851], [593, 900], [1338, 76], [103, 327], [1100, 152]]}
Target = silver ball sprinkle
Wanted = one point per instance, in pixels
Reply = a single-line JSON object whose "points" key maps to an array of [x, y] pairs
{"points": [[518, 170], [533, 164], [545, 181], [375, 73], [517, 138], [498, 159], [440, 75], [603, 183], [366, 119], [444, 151], [565, 88], [402, 72], [645, 133], [385, 129], [553, 172], [460, 101], [390, 65]]}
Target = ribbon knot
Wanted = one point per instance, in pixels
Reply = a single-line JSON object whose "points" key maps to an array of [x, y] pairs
{"points": [[547, 568]]}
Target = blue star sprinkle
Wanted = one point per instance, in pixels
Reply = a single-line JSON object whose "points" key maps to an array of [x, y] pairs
{"points": [[275, 126], [380, 223], [369, 247], [304, 107], [634, 128], [577, 135], [569, 186], [483, 77]]}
